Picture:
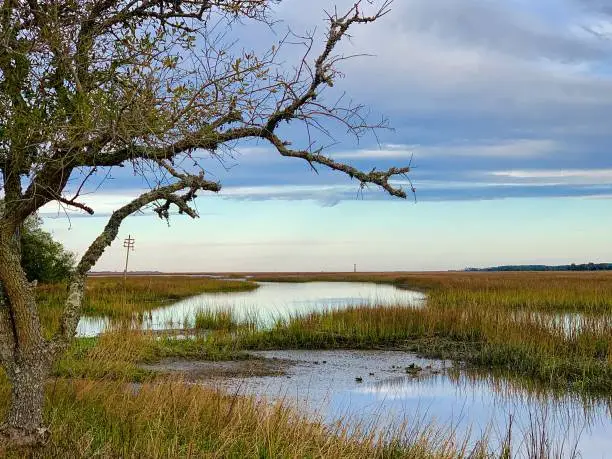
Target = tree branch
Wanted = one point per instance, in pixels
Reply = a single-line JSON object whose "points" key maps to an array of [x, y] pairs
{"points": [[71, 314], [78, 205], [380, 178]]}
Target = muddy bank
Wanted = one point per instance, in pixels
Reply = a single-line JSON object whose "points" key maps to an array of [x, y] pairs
{"points": [[320, 371], [202, 371], [311, 377]]}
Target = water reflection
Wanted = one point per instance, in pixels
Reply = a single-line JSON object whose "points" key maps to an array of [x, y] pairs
{"points": [[270, 302], [506, 384], [566, 323], [471, 406]]}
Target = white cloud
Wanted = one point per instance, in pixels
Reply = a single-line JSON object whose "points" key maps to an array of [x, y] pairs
{"points": [[325, 195], [476, 57], [519, 148], [574, 176], [101, 203]]}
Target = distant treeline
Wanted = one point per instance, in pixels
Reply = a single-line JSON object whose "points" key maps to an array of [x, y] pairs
{"points": [[572, 267]]}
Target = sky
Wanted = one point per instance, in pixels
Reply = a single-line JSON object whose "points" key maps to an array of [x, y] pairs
{"points": [[502, 108]]}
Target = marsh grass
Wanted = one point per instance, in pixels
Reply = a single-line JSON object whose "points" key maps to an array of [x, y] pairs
{"points": [[503, 322], [210, 319], [553, 327], [124, 301], [110, 410], [170, 419], [126, 414], [525, 345], [589, 292], [515, 322], [119, 353]]}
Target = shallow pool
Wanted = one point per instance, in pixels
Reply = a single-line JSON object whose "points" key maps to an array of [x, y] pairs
{"points": [[270, 302], [372, 390]]}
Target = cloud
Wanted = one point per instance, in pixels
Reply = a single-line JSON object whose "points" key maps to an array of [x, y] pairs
{"points": [[102, 203], [530, 64], [600, 6], [500, 97], [428, 74], [577, 176], [503, 27], [327, 195], [481, 186], [519, 148]]}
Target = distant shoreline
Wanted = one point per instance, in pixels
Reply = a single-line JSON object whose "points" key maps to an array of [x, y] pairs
{"points": [[585, 267], [571, 267]]}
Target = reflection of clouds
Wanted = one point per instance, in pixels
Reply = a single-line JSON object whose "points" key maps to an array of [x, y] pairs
{"points": [[455, 401], [406, 387], [509, 394], [483, 404], [566, 323], [269, 303], [495, 397]]}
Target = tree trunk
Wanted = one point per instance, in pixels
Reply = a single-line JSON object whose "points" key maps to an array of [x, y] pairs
{"points": [[24, 354], [24, 423]]}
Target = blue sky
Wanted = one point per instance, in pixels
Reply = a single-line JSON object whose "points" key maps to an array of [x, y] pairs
{"points": [[504, 109]]}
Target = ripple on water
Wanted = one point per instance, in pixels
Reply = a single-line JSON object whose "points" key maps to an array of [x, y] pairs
{"points": [[372, 390]]}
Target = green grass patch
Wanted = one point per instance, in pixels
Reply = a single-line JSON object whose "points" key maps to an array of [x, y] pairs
{"points": [[209, 319]]}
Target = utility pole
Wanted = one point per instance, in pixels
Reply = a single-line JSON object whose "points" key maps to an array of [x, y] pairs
{"points": [[129, 245]]}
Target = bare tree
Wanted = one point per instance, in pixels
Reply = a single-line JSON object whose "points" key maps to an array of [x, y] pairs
{"points": [[88, 85]]}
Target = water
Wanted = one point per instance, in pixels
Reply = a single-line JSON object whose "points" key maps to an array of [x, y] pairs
{"points": [[324, 384], [270, 302], [566, 323], [385, 397]]}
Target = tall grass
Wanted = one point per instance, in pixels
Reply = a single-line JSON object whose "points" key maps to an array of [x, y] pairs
{"points": [[116, 412], [555, 328], [123, 300], [169, 419], [211, 319], [107, 415], [523, 344], [119, 353], [589, 292], [503, 321]]}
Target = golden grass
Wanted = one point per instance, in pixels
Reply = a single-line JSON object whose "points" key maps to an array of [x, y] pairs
{"points": [[589, 292], [169, 419], [498, 321], [506, 321], [110, 416], [517, 322], [119, 300]]}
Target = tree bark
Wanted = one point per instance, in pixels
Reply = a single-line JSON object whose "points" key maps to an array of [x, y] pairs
{"points": [[24, 423], [24, 353]]}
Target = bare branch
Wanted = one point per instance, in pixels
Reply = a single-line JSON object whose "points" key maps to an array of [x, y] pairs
{"points": [[78, 205], [380, 178], [71, 312], [147, 84]]}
